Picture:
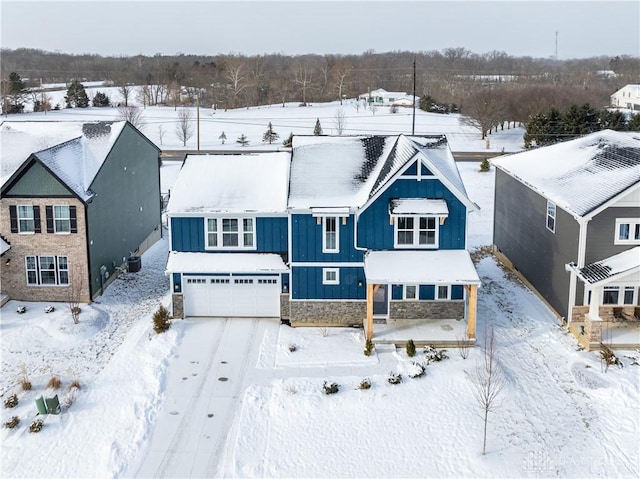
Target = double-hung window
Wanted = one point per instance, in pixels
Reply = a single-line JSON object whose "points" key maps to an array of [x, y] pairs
{"points": [[330, 234], [416, 232], [61, 219], [47, 270], [551, 216], [627, 231], [410, 292], [230, 233], [26, 219]]}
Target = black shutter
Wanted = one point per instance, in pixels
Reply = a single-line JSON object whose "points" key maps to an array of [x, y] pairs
{"points": [[36, 219], [49, 212], [73, 219], [13, 216]]}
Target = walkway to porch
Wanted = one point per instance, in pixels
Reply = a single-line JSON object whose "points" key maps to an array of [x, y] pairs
{"points": [[440, 333]]}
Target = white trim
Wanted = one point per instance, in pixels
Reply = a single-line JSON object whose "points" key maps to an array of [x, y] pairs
{"points": [[220, 233], [32, 218], [633, 223], [68, 219], [416, 232], [330, 211], [326, 281], [589, 216], [38, 271], [436, 295], [336, 220], [317, 264], [548, 215]]}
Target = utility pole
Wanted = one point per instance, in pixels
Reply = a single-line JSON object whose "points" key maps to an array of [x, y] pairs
{"points": [[198, 119], [556, 44], [413, 99]]}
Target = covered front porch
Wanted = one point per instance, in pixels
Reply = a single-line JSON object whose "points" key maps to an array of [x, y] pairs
{"points": [[611, 314], [427, 296]]}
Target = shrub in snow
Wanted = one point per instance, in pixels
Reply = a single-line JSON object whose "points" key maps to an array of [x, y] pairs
{"points": [[36, 426], [11, 401], [365, 384], [54, 382], [432, 354], [161, 320], [21, 309], [415, 370], [635, 358], [13, 422], [24, 381], [368, 347], [293, 348], [485, 165], [608, 357], [330, 388], [394, 378], [411, 348], [75, 384], [49, 309]]}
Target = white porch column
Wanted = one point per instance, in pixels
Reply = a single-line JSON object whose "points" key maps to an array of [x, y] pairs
{"points": [[594, 303]]}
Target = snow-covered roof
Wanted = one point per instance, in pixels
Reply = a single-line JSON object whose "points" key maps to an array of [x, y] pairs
{"points": [[4, 246], [232, 184], [418, 206], [348, 171], [225, 263], [74, 151], [582, 174], [610, 268], [420, 267]]}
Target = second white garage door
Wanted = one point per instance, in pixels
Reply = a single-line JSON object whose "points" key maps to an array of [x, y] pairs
{"points": [[240, 296]]}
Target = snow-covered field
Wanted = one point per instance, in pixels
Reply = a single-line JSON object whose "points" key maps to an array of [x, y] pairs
{"points": [[226, 398]]}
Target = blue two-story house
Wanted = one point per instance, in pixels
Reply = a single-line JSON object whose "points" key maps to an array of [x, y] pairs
{"points": [[341, 231]]}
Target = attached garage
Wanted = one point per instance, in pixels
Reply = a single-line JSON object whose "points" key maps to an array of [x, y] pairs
{"points": [[241, 296], [228, 284]]}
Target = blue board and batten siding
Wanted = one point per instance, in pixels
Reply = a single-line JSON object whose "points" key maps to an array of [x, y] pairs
{"points": [[427, 292], [308, 284], [187, 235], [376, 235], [307, 241]]}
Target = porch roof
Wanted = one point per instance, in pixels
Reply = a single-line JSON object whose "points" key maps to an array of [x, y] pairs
{"points": [[204, 263], [418, 206], [608, 269], [420, 267]]}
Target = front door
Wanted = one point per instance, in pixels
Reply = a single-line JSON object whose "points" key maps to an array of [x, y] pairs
{"points": [[381, 301]]}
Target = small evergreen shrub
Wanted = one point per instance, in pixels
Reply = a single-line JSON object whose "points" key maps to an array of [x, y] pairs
{"points": [[416, 370], [161, 320], [433, 355], [36, 426], [21, 309], [293, 348], [11, 401], [411, 348], [365, 384], [484, 165], [330, 388], [13, 422], [368, 347], [394, 378], [49, 309]]}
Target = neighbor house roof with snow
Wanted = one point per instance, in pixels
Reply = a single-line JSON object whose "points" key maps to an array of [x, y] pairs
{"points": [[579, 175], [4, 246], [420, 267], [348, 171], [73, 151], [609, 268], [256, 183], [225, 263]]}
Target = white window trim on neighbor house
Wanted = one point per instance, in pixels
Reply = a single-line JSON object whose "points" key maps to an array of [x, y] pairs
{"points": [[61, 223], [216, 233], [331, 276], [627, 231], [59, 267], [551, 216], [622, 292], [406, 292], [328, 222], [415, 229], [26, 219]]}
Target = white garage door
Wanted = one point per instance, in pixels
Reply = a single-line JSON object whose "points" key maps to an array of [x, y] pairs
{"points": [[253, 296]]}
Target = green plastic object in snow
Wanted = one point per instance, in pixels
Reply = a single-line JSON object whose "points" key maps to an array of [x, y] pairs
{"points": [[42, 409], [53, 405]]}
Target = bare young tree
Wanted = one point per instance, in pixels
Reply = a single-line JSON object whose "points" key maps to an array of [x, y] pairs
{"points": [[484, 110], [340, 121], [235, 75], [132, 114], [161, 132], [487, 382], [303, 79], [125, 91], [184, 128], [74, 294]]}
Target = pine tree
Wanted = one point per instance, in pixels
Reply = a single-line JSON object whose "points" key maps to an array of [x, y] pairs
{"points": [[634, 122], [101, 100], [270, 136], [222, 137], [317, 130], [161, 320], [289, 141], [14, 94], [76, 95], [242, 140]]}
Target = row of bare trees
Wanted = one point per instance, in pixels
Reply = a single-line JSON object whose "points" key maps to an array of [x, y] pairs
{"points": [[232, 81]]}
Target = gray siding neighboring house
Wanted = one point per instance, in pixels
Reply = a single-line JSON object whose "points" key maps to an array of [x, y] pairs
{"points": [[587, 191]]}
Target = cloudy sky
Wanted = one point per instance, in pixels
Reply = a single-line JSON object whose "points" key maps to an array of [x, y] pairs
{"points": [[518, 27]]}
